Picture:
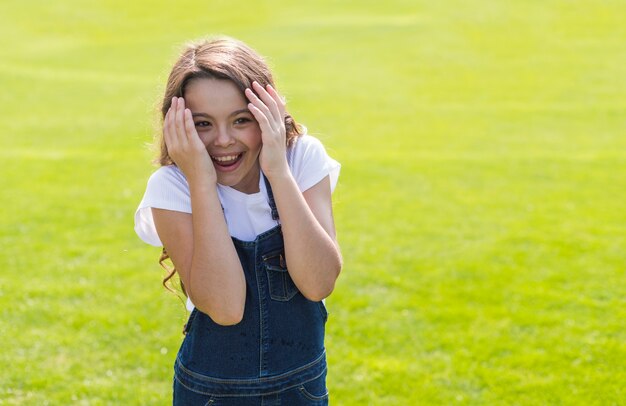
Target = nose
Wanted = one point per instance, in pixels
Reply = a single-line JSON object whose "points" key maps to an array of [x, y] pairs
{"points": [[223, 137]]}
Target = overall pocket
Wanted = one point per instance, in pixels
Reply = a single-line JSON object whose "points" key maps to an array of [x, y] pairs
{"points": [[281, 285], [315, 391]]}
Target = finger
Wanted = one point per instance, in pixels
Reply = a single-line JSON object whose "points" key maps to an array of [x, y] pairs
{"points": [[261, 107], [172, 117], [267, 100], [190, 126], [179, 121], [261, 118], [280, 101], [168, 126], [166, 129]]}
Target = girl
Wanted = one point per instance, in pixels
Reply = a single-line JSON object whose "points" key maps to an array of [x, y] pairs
{"points": [[242, 206]]}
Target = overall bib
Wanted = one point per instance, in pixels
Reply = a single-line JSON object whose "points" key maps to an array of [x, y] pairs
{"points": [[274, 356]]}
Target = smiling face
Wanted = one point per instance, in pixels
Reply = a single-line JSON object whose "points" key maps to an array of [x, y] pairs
{"points": [[228, 130]]}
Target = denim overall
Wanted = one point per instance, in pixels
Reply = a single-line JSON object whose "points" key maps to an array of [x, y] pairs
{"points": [[274, 356]]}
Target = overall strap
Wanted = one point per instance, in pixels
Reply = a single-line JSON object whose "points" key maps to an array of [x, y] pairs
{"points": [[270, 198], [270, 194]]}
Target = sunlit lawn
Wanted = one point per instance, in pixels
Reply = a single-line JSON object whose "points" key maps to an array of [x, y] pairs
{"points": [[480, 207]]}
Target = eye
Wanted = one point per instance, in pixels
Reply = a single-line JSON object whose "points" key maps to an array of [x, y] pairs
{"points": [[203, 124], [242, 120]]}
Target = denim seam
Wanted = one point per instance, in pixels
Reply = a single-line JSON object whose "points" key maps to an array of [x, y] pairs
{"points": [[260, 393], [288, 293], [285, 287], [194, 390], [312, 397], [257, 265], [272, 254], [251, 380]]}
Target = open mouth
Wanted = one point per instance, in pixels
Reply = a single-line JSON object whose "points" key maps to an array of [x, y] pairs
{"points": [[226, 161]]}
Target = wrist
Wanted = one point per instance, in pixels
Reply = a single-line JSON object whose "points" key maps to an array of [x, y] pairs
{"points": [[279, 174], [279, 178], [202, 184]]}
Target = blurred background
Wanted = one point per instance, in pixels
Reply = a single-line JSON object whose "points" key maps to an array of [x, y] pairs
{"points": [[480, 208]]}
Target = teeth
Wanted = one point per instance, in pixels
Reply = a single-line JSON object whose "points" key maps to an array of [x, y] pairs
{"points": [[225, 158]]}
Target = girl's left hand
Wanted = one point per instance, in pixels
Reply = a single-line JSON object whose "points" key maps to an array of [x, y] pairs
{"points": [[268, 108]]}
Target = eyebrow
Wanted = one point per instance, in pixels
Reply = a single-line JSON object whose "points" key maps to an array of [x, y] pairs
{"points": [[234, 113]]}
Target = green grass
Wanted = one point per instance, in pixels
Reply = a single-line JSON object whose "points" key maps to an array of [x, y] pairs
{"points": [[480, 207]]}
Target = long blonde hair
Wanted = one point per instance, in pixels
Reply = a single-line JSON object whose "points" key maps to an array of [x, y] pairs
{"points": [[219, 58]]}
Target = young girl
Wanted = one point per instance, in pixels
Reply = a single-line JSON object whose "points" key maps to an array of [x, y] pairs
{"points": [[242, 206]]}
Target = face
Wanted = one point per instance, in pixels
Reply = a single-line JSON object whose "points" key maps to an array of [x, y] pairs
{"points": [[228, 130]]}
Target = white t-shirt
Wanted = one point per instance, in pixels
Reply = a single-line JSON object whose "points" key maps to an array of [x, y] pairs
{"points": [[247, 215]]}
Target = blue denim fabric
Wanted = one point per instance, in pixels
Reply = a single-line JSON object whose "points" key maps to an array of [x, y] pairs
{"points": [[274, 356]]}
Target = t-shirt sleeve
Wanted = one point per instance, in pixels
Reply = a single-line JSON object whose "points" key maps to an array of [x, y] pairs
{"points": [[310, 163], [167, 189]]}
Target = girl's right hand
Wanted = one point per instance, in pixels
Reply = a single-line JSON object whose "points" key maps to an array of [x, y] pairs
{"points": [[184, 145]]}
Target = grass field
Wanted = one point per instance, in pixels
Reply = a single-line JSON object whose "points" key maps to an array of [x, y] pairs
{"points": [[481, 206]]}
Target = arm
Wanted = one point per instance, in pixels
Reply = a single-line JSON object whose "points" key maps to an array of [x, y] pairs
{"points": [[311, 251], [312, 254], [199, 244]]}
